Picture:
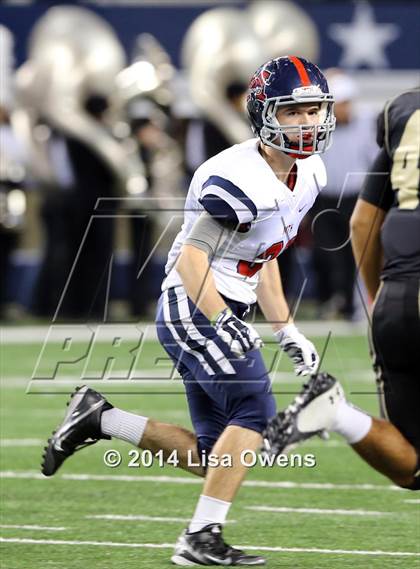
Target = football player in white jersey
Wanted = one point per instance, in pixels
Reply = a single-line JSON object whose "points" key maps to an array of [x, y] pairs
{"points": [[243, 208]]}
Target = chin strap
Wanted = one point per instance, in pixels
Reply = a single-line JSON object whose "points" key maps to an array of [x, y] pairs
{"points": [[299, 156]]}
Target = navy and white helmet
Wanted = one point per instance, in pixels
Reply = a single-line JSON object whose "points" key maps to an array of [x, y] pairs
{"points": [[284, 81]]}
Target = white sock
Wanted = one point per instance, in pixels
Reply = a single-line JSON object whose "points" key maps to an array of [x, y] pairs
{"points": [[208, 511], [351, 423], [122, 425]]}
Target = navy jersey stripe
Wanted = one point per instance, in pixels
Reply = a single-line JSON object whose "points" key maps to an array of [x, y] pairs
{"points": [[207, 332], [182, 348], [232, 189], [185, 337], [177, 324]]}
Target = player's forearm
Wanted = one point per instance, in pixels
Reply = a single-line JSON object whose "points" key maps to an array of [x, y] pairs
{"points": [[367, 248], [197, 278], [368, 260], [271, 297]]}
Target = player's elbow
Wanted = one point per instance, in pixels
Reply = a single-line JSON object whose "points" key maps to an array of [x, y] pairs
{"points": [[366, 220], [360, 229], [358, 224]]}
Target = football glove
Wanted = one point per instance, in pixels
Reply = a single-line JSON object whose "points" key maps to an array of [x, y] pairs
{"points": [[240, 337], [299, 349]]}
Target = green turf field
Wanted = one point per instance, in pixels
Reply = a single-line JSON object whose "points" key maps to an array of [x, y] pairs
{"points": [[336, 515]]}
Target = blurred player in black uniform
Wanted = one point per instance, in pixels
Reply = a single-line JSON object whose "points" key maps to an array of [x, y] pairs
{"points": [[386, 244]]}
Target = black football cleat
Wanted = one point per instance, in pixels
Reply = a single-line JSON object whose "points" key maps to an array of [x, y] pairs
{"points": [[81, 427], [207, 547], [310, 414]]}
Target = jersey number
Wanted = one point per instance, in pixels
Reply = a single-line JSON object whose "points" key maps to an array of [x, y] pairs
{"points": [[250, 268], [405, 173]]}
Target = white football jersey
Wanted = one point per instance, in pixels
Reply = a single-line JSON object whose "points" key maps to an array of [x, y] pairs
{"points": [[239, 182]]}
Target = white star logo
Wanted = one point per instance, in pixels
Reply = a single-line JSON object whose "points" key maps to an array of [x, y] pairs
{"points": [[364, 40]]}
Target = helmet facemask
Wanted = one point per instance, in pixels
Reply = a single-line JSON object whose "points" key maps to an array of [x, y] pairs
{"points": [[318, 136]]}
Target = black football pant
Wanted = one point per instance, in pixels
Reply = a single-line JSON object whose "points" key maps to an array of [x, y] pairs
{"points": [[396, 343]]}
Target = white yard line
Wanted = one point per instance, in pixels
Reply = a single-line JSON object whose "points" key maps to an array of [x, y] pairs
{"points": [[174, 414], [63, 385], [36, 528], [317, 511], [21, 474], [246, 547], [150, 377], [319, 443], [37, 334], [188, 481], [21, 442], [145, 377], [140, 518], [35, 413], [414, 501]]}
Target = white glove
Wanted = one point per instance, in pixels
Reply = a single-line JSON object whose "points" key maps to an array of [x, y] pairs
{"points": [[240, 337], [299, 349]]}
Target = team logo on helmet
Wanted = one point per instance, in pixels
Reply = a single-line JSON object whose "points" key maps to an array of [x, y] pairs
{"points": [[307, 91], [258, 84]]}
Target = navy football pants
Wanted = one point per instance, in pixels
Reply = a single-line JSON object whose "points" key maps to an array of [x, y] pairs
{"points": [[221, 388]]}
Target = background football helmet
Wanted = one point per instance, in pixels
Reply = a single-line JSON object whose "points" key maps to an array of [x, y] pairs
{"points": [[284, 81]]}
